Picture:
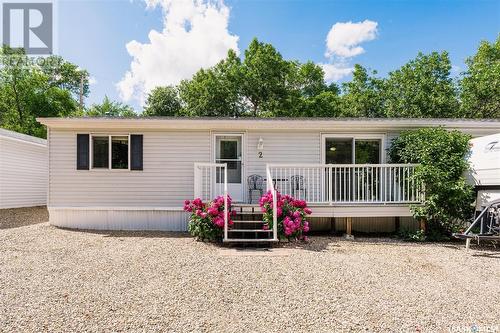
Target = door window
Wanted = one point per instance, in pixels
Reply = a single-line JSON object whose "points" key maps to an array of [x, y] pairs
{"points": [[367, 151], [338, 150], [229, 151]]}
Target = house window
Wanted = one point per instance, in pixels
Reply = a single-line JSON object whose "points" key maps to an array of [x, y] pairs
{"points": [[352, 150], [100, 152], [110, 152], [119, 152]]}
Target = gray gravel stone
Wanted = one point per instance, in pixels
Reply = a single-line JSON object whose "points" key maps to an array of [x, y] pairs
{"points": [[56, 280]]}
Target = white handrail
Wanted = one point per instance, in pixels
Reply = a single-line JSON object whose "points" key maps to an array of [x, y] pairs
{"points": [[305, 165], [270, 187], [226, 218]]}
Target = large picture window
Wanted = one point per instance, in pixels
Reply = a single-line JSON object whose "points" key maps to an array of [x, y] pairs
{"points": [[110, 152], [352, 150]]}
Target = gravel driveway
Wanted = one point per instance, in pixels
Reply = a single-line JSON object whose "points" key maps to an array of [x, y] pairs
{"points": [[61, 280]]}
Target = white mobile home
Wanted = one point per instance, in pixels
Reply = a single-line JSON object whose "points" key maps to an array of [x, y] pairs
{"points": [[112, 173], [23, 170]]}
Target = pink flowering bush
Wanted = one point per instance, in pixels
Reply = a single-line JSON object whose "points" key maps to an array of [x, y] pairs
{"points": [[207, 219], [291, 213]]}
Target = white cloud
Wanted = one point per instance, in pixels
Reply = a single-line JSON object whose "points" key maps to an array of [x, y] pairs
{"points": [[92, 81], [195, 35], [342, 44], [344, 38], [335, 72]]}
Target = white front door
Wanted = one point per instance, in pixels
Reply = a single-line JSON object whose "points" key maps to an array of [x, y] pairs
{"points": [[229, 150]]}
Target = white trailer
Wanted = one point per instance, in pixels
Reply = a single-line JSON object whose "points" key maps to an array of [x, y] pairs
{"points": [[485, 168]]}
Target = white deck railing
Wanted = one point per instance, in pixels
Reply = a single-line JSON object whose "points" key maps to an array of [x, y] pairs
{"points": [[210, 181], [347, 183], [275, 203]]}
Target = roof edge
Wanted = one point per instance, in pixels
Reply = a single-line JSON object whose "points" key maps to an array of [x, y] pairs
{"points": [[22, 137]]}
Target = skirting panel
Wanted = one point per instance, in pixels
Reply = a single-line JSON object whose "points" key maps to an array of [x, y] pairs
{"points": [[119, 219]]}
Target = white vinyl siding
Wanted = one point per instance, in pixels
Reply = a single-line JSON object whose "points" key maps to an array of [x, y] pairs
{"points": [[23, 173], [166, 181], [282, 147]]}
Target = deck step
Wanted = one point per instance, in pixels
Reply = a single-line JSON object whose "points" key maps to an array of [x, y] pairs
{"points": [[244, 240], [249, 230]]}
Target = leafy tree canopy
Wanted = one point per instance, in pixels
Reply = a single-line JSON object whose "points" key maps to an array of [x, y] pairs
{"points": [[363, 95], [109, 108], [480, 86], [31, 88], [422, 88], [163, 101]]}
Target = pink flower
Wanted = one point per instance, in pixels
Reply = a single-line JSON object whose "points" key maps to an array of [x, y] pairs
{"points": [[307, 211], [289, 223], [279, 211], [219, 222], [197, 202], [187, 202], [188, 208], [233, 213], [296, 214], [299, 203], [265, 227], [213, 211], [203, 215]]}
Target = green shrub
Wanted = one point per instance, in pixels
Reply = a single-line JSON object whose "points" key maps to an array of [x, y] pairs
{"points": [[413, 236], [442, 158]]}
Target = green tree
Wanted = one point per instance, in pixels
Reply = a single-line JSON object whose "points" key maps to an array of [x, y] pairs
{"points": [[363, 95], [109, 108], [214, 91], [163, 101], [324, 104], [31, 88], [442, 158], [307, 94], [480, 86], [422, 88], [264, 74]]}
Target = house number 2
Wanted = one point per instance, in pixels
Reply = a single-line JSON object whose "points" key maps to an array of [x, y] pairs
{"points": [[261, 155]]}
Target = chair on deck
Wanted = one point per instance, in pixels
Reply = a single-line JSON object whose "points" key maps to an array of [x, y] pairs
{"points": [[297, 185], [255, 183]]}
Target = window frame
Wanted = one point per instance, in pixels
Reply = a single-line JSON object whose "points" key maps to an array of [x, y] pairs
{"points": [[354, 137], [110, 153]]}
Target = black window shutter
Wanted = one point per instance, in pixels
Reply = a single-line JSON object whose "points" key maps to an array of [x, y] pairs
{"points": [[136, 152], [82, 152]]}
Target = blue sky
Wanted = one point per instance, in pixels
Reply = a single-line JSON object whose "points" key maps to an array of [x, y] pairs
{"points": [[94, 34]]}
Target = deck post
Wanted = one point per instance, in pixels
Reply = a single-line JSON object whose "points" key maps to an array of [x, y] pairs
{"points": [[348, 234]]}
